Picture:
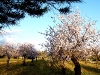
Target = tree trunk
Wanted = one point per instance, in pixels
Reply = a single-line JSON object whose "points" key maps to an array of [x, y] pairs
{"points": [[63, 70], [32, 60], [85, 61], [36, 59], [96, 61], [7, 65], [24, 63], [77, 68]]}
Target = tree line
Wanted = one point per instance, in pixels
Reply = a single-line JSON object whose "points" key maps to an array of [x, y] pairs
{"points": [[25, 50]]}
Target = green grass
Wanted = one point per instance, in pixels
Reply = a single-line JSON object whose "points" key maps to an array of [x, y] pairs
{"points": [[87, 69], [42, 67]]}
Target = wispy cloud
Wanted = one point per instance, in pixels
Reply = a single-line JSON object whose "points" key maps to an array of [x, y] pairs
{"points": [[36, 43], [10, 36]]}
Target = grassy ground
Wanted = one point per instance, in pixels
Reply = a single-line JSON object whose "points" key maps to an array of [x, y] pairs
{"points": [[42, 67], [87, 69]]}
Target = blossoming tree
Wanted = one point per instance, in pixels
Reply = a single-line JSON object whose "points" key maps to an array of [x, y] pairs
{"points": [[71, 37]]}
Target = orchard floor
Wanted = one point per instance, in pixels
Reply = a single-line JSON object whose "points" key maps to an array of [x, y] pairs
{"points": [[42, 67]]}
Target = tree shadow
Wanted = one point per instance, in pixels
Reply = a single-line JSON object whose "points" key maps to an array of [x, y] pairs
{"points": [[39, 67], [89, 68], [2, 67], [43, 67]]}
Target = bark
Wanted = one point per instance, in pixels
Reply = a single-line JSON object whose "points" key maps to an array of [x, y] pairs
{"points": [[32, 60], [63, 70], [77, 68], [24, 61], [85, 61], [36, 59], [7, 65], [96, 61]]}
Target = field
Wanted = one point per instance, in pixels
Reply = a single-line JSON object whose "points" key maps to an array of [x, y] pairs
{"points": [[42, 67]]}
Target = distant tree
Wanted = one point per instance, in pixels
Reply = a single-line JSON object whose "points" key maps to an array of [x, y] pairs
{"points": [[95, 47], [27, 50], [69, 38], [12, 11], [33, 53], [8, 50], [85, 55], [1, 52], [16, 54], [23, 51]]}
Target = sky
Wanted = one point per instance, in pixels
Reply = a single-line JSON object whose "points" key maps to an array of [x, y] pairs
{"points": [[28, 28]]}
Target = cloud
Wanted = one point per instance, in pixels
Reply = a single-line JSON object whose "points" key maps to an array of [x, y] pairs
{"points": [[36, 43], [21, 36], [10, 36], [3, 41], [13, 32], [10, 32]]}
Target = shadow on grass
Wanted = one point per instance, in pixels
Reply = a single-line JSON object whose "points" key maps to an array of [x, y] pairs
{"points": [[41, 67], [89, 68]]}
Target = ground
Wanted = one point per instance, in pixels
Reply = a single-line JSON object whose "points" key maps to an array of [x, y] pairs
{"points": [[42, 67]]}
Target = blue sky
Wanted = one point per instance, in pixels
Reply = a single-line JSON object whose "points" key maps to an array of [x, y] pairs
{"points": [[28, 28]]}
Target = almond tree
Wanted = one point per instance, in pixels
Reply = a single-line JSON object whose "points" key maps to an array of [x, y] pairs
{"points": [[23, 51], [33, 53], [95, 47], [86, 54], [8, 50], [70, 37], [1, 51], [27, 50], [95, 52]]}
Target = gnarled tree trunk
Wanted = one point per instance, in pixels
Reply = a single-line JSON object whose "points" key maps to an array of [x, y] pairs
{"points": [[77, 68]]}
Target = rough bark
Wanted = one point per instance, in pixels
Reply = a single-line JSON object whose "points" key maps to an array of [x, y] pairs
{"points": [[77, 68]]}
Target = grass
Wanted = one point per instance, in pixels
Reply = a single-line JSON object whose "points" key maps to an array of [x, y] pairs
{"points": [[87, 69], [42, 67]]}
